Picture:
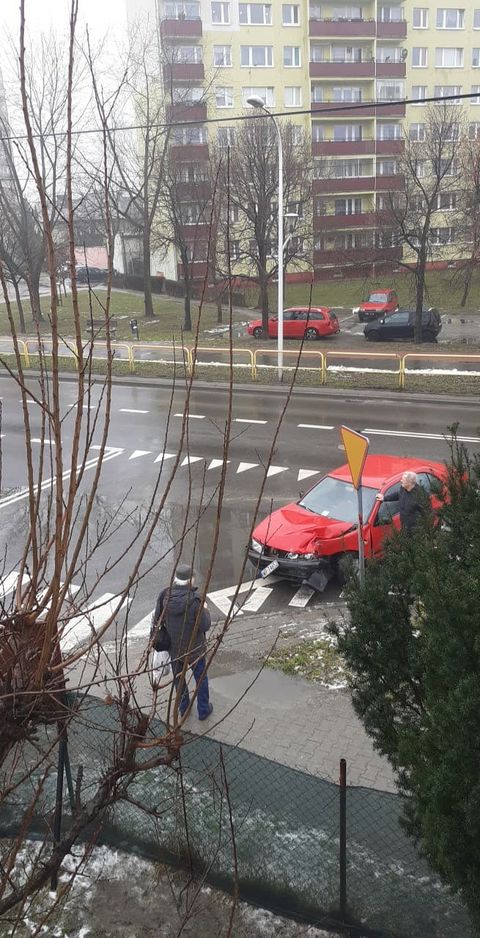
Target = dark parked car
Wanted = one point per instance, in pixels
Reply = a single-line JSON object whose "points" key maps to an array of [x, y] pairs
{"points": [[400, 325], [91, 275]]}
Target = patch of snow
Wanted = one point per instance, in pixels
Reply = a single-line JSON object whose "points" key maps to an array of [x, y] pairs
{"points": [[442, 371]]}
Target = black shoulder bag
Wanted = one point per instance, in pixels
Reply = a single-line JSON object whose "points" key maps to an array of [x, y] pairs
{"points": [[160, 638]]}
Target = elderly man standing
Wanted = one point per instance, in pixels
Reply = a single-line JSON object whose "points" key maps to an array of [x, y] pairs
{"points": [[413, 502], [186, 620]]}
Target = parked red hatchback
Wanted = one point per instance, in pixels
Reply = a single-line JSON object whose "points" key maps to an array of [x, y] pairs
{"points": [[312, 535], [299, 321]]}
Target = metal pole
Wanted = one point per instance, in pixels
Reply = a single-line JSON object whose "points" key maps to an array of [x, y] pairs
{"points": [[343, 838], [57, 818], [361, 551], [280, 253]]}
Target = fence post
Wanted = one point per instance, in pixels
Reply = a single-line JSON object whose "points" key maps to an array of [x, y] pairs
{"points": [[343, 839], [402, 372]]}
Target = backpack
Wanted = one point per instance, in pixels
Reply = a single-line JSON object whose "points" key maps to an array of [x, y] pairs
{"points": [[159, 636]]}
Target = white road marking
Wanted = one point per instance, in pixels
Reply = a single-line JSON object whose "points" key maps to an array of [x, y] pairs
{"points": [[302, 596], [191, 416], [225, 606], [162, 456], [314, 426], [215, 463], [409, 434], [248, 420], [274, 470], [45, 441], [306, 473], [189, 459], [142, 628], [140, 452], [82, 628], [245, 466], [110, 453], [257, 599], [221, 598], [130, 410], [9, 583]]}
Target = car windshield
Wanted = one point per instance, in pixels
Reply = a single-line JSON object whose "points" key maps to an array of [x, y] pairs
{"points": [[336, 499], [377, 298]]}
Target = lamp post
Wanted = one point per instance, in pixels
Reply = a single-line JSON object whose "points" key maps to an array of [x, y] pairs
{"points": [[258, 102]]}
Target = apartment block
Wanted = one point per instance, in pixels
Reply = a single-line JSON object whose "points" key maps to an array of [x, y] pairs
{"points": [[350, 68]]}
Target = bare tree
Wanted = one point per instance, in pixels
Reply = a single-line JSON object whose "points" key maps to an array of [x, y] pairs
{"points": [[430, 170], [467, 213]]}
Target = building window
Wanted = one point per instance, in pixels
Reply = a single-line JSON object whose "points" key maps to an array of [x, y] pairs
{"points": [[445, 91], [318, 133], [475, 58], [292, 57], [442, 235], [347, 13], [347, 132], [224, 97], [256, 56], [293, 97], [389, 132], [319, 53], [347, 94], [419, 57], [222, 56], [186, 135], [448, 58], [266, 94], [450, 18], [290, 14], [295, 134], [220, 13], [389, 54], [348, 207], [420, 18], [234, 250], [416, 133], [476, 19], [317, 94], [390, 90], [452, 131], [475, 90], [255, 14], [387, 167], [420, 169], [390, 14], [419, 93], [182, 11], [349, 54], [192, 172], [447, 201], [341, 169], [226, 136], [474, 130], [191, 213]]}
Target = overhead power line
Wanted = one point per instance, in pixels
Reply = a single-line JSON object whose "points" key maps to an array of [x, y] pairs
{"points": [[312, 111]]}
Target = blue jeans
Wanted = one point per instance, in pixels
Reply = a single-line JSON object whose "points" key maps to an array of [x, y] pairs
{"points": [[201, 680]]}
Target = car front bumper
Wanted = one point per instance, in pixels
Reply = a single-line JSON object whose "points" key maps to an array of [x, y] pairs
{"points": [[296, 570]]}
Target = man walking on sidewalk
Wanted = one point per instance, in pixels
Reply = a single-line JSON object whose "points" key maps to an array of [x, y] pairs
{"points": [[186, 621]]}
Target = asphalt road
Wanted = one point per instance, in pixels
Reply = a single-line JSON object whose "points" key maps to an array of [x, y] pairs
{"points": [[308, 444]]}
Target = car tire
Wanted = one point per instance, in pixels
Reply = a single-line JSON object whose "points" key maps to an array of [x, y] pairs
{"points": [[373, 336], [311, 334], [429, 336], [361, 317], [258, 333]]}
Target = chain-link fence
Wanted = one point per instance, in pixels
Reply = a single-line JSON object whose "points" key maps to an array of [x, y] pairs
{"points": [[226, 812]]}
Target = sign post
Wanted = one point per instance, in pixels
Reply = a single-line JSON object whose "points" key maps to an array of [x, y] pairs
{"points": [[356, 449]]}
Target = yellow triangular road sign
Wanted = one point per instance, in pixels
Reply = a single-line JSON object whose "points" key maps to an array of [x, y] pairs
{"points": [[356, 449]]}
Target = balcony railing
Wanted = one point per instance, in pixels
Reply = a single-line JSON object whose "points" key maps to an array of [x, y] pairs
{"points": [[391, 69], [342, 69], [184, 71], [343, 147], [339, 222], [345, 108], [344, 184], [361, 29], [394, 30], [353, 255], [181, 28], [187, 111], [189, 152]]}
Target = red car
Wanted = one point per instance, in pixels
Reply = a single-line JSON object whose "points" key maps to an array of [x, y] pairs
{"points": [[378, 303], [312, 535], [299, 321]]}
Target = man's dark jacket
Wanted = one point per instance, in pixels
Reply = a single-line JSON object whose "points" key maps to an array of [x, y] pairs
{"points": [[413, 505], [182, 604]]}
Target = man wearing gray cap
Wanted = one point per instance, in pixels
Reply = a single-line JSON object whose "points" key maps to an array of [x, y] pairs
{"points": [[186, 621]]}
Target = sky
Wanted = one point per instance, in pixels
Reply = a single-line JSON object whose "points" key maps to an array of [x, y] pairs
{"points": [[103, 16]]}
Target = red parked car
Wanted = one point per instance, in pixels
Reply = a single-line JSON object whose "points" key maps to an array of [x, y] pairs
{"points": [[299, 321], [315, 533], [378, 303]]}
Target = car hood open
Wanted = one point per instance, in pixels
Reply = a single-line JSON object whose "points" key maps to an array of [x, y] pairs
{"points": [[293, 529]]}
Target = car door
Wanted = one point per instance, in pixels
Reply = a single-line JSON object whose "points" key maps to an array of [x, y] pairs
{"points": [[319, 321], [433, 486], [291, 325], [396, 326], [386, 519], [272, 327]]}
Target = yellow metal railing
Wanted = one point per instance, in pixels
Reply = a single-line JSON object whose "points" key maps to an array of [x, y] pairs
{"points": [[308, 353], [370, 356]]}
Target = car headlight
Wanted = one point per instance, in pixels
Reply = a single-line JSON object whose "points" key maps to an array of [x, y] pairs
{"points": [[256, 546], [292, 556], [308, 556]]}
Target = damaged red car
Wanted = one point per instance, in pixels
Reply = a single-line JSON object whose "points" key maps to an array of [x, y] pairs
{"points": [[307, 540]]}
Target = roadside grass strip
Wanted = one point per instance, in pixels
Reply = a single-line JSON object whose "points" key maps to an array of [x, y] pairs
{"points": [[314, 659]]}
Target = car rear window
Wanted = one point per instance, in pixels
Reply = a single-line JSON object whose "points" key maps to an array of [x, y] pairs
{"points": [[336, 499]]}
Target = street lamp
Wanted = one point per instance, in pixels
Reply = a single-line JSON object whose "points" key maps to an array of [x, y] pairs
{"points": [[258, 102]]}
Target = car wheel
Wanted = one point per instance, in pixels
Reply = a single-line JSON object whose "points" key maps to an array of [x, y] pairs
{"points": [[258, 333], [373, 336], [311, 334], [429, 336], [361, 317]]}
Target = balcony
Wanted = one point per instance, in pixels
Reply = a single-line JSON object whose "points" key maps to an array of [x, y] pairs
{"points": [[196, 233], [342, 69], [183, 71], [386, 183], [395, 30], [390, 147], [183, 111], [391, 109], [341, 108], [183, 29], [391, 70], [345, 184], [189, 152], [353, 256], [343, 147], [340, 222], [360, 29], [194, 191]]}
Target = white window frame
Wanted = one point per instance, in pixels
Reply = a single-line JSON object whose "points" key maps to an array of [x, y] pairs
{"points": [[248, 52], [437, 239], [421, 98], [225, 92], [397, 134], [442, 16], [474, 130], [194, 57], [442, 91], [318, 133], [476, 19], [421, 15], [442, 54], [296, 54], [347, 94], [229, 134], [347, 133], [267, 94], [295, 10], [398, 86], [420, 54], [317, 94], [223, 9], [293, 88], [388, 9], [393, 168], [476, 57], [225, 54], [452, 199], [296, 134], [420, 133], [475, 90], [267, 14]]}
